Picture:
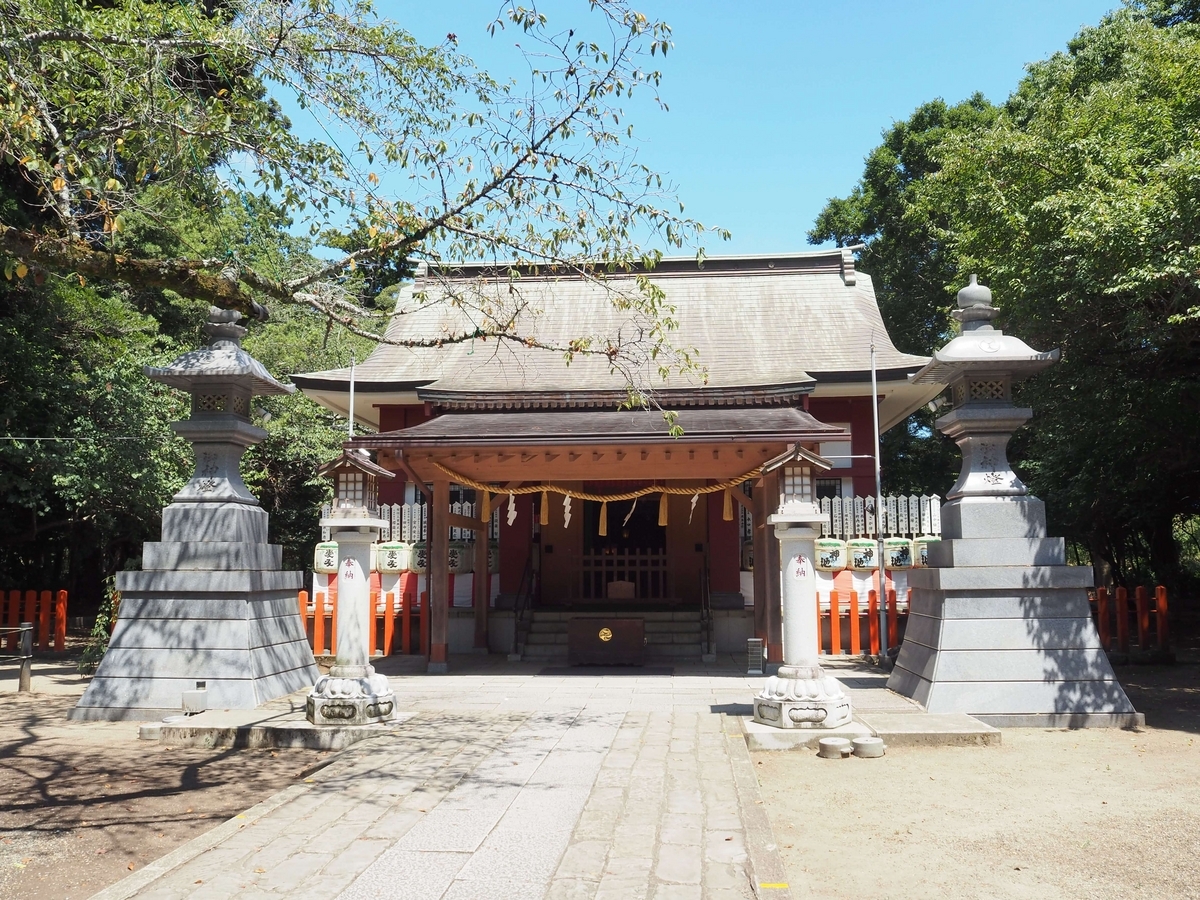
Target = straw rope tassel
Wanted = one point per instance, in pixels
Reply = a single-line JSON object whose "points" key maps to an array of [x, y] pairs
{"points": [[727, 509], [485, 507], [662, 509], [544, 513], [604, 519]]}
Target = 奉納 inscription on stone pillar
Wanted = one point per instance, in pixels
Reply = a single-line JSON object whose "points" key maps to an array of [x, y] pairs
{"points": [[999, 625]]}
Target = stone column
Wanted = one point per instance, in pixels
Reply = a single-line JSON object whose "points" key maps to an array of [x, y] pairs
{"points": [[800, 695], [352, 693]]}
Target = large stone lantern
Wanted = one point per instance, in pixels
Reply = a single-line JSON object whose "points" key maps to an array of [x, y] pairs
{"points": [[210, 614], [999, 625], [353, 693]]}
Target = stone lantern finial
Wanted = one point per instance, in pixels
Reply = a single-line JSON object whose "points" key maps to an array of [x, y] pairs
{"points": [[975, 308]]}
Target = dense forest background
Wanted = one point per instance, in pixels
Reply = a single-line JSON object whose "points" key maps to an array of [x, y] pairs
{"points": [[1077, 200]]}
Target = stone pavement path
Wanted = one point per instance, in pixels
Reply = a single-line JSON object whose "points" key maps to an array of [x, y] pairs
{"points": [[507, 784]]}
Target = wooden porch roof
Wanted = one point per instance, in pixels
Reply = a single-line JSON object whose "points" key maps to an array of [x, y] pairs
{"points": [[597, 445]]}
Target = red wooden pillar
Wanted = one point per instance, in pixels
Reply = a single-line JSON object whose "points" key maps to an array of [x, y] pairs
{"points": [[1122, 620], [14, 619], [440, 584], [60, 621], [43, 621], [893, 620], [1143, 617], [319, 624], [835, 625], [389, 622], [1102, 624], [1162, 625]]}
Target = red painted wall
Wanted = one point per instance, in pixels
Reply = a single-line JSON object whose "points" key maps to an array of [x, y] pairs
{"points": [[856, 411], [395, 418], [724, 546]]}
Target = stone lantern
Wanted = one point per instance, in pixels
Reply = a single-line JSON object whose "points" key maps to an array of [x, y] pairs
{"points": [[800, 695], [999, 625], [210, 620], [353, 693]]}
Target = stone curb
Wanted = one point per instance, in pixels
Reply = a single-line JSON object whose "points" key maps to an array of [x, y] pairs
{"points": [[767, 874], [132, 884]]}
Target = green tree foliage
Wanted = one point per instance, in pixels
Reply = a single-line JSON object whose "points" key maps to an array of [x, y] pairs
{"points": [[910, 267], [424, 156], [1078, 201]]}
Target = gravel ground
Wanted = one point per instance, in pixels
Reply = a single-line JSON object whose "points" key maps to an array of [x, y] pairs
{"points": [[83, 804], [1100, 813]]}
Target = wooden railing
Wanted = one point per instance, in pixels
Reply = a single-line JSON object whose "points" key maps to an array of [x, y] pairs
{"points": [[842, 617], [47, 610], [1113, 615], [646, 569]]}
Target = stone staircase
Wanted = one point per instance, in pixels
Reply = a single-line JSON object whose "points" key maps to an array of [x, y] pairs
{"points": [[671, 637]]}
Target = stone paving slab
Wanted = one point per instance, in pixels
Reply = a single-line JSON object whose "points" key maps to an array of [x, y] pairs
{"points": [[504, 783]]}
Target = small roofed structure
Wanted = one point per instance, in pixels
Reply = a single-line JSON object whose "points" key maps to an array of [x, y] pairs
{"points": [[355, 484]]}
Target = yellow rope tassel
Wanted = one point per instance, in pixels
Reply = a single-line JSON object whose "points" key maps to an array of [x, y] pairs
{"points": [[544, 514], [662, 509], [604, 519], [727, 510]]}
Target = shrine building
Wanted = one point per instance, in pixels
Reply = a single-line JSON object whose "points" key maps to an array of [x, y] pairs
{"points": [[600, 509]]}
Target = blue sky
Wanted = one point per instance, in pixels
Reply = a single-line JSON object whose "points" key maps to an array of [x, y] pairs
{"points": [[773, 105]]}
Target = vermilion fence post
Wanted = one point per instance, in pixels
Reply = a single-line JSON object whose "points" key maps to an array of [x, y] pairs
{"points": [[1122, 620], [873, 621], [372, 623], [1162, 623], [893, 620], [30, 606], [319, 624], [44, 621], [302, 602], [1102, 624], [14, 619], [855, 630], [835, 625], [60, 622], [389, 621], [1142, 606]]}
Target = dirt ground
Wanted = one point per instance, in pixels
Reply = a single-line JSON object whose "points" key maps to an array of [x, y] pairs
{"points": [[1102, 813], [83, 804]]}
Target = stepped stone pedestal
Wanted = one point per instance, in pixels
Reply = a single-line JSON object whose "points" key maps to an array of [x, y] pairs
{"points": [[999, 625], [210, 614]]}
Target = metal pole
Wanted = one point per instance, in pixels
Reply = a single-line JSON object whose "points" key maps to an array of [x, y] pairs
{"points": [[883, 635], [24, 683], [350, 427]]}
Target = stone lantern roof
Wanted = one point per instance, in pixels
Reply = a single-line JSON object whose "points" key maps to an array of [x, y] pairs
{"points": [[981, 348], [223, 359]]}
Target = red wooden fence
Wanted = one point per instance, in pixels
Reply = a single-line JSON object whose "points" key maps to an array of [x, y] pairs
{"points": [[392, 628], [841, 624], [47, 610], [1109, 611]]}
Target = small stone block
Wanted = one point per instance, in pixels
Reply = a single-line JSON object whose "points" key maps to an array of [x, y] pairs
{"points": [[766, 737]]}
